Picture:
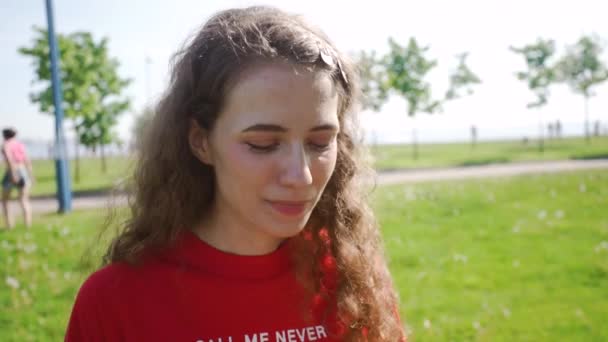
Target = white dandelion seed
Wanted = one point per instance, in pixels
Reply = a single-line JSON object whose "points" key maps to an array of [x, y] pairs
{"points": [[29, 249], [427, 324], [491, 198], [476, 325], [541, 215], [559, 214], [460, 258], [12, 282], [582, 187], [601, 246]]}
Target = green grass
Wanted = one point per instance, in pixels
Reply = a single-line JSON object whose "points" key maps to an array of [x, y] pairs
{"points": [[49, 262], [386, 157], [513, 259], [461, 154], [510, 259], [92, 178]]}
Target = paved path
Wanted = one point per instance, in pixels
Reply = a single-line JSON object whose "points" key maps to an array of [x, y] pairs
{"points": [[484, 171], [387, 177]]}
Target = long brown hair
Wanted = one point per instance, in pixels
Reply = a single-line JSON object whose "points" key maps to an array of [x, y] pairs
{"points": [[172, 189]]}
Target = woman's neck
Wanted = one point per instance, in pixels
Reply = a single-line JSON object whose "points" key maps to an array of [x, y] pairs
{"points": [[230, 233]]}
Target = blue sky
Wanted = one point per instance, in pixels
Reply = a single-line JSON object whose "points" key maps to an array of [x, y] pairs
{"points": [[139, 29]]}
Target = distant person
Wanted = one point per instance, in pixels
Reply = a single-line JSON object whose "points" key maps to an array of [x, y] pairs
{"points": [[249, 219], [18, 175], [558, 129]]}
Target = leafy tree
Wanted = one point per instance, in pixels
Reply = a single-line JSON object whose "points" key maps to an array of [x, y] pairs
{"points": [[92, 87], [462, 78], [540, 74], [406, 69], [372, 77], [582, 69]]}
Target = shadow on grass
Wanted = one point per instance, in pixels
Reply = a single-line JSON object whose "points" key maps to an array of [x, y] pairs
{"points": [[484, 161], [590, 156]]}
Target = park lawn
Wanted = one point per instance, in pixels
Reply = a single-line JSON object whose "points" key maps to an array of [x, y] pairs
{"points": [[386, 157], [461, 154], [41, 271], [92, 178], [511, 259]]}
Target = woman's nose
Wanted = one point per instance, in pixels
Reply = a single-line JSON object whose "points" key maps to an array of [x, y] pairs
{"points": [[296, 168]]}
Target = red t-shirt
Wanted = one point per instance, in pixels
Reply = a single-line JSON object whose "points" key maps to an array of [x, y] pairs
{"points": [[196, 293]]}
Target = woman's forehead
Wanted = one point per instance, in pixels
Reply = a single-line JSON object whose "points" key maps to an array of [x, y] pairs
{"points": [[282, 95]]}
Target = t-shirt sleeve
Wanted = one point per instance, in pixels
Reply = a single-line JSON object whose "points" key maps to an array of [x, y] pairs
{"points": [[91, 317]]}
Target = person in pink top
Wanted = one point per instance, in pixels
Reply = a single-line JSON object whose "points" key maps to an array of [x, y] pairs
{"points": [[18, 175]]}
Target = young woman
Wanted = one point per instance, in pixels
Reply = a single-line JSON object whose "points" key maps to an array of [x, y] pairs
{"points": [[18, 175], [248, 221]]}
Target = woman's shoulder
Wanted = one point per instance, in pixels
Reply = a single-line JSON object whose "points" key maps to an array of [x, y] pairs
{"points": [[105, 279], [113, 279]]}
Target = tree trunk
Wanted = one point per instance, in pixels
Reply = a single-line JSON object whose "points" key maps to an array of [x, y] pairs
{"points": [[587, 133], [103, 159], [541, 133], [473, 137], [76, 155], [76, 162], [414, 144]]}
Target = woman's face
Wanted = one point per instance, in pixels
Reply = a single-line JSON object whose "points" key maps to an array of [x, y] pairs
{"points": [[273, 149]]}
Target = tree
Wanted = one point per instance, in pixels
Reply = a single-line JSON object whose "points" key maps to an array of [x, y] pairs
{"points": [[539, 76], [95, 130], [406, 69], [92, 87], [372, 77], [582, 69], [463, 78]]}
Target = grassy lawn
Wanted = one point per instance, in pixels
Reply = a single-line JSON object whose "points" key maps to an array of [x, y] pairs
{"points": [[386, 157], [41, 271], [512, 259], [91, 176], [461, 154]]}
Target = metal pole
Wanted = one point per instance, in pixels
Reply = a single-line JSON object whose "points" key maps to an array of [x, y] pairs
{"points": [[62, 173]]}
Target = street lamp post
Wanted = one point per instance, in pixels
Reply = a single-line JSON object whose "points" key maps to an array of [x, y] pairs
{"points": [[62, 173]]}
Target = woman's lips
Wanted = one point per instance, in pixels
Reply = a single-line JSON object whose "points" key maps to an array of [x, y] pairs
{"points": [[289, 208]]}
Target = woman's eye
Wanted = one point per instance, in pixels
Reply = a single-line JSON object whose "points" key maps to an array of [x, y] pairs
{"points": [[262, 148], [319, 147]]}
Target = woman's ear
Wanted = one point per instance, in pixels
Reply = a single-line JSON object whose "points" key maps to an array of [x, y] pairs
{"points": [[198, 138]]}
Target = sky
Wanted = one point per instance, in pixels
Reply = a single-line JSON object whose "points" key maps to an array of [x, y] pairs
{"points": [[153, 30]]}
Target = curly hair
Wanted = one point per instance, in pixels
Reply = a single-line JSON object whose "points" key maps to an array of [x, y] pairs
{"points": [[342, 234]]}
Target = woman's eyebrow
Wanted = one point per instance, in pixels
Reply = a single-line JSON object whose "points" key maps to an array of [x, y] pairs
{"points": [[264, 128], [325, 127], [281, 129]]}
